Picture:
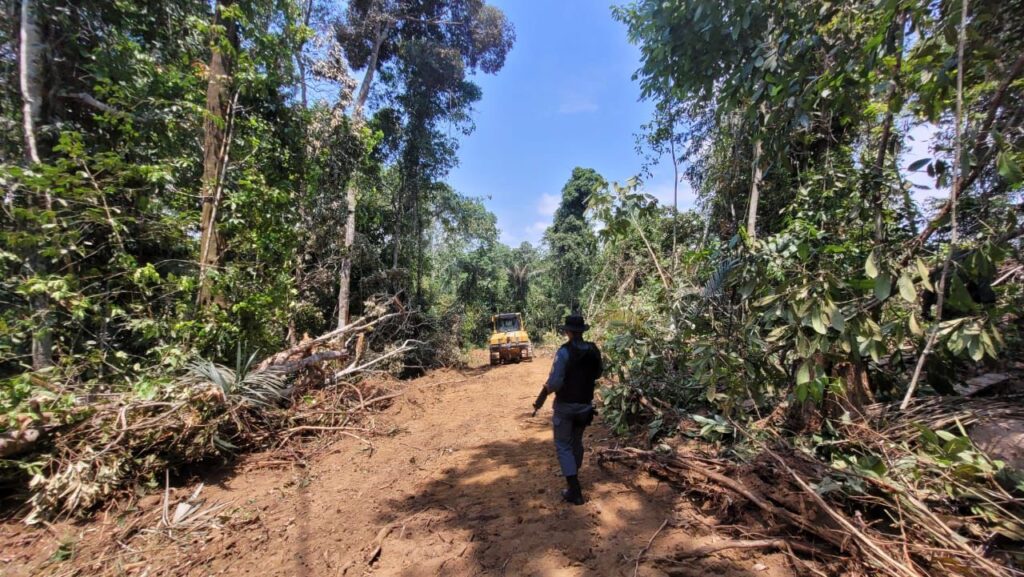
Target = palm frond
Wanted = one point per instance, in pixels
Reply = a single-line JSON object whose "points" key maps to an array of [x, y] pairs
{"points": [[716, 283], [201, 372], [265, 388]]}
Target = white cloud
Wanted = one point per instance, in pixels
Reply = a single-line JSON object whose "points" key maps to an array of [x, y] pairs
{"points": [[663, 192], [579, 94], [577, 103], [538, 227], [548, 204], [507, 237], [534, 232], [515, 235]]}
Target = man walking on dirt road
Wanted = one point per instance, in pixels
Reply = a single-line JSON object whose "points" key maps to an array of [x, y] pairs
{"points": [[576, 369]]}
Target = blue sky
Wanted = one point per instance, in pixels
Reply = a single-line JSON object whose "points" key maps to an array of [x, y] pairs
{"points": [[563, 99]]}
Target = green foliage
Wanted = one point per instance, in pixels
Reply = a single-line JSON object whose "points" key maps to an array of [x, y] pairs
{"points": [[713, 428], [99, 241], [833, 278]]}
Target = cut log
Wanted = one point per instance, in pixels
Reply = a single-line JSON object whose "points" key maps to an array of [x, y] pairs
{"points": [[305, 349], [983, 383], [21, 441]]}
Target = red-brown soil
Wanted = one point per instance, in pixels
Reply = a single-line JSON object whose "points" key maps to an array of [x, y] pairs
{"points": [[460, 481]]}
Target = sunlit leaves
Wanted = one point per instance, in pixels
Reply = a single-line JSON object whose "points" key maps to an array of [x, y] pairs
{"points": [[924, 274], [883, 286], [870, 268], [1008, 168], [906, 287]]}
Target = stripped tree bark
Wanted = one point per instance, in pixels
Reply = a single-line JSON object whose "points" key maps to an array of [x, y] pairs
{"points": [[30, 77], [216, 144], [755, 193], [783, 544]]}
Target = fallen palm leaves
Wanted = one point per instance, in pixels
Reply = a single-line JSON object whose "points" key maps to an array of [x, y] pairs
{"points": [[886, 502]]}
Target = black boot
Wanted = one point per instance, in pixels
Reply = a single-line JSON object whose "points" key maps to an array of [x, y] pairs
{"points": [[573, 494]]}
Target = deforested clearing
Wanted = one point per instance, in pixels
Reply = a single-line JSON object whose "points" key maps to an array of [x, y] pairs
{"points": [[468, 287]]}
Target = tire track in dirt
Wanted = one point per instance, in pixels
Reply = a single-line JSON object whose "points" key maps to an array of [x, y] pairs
{"points": [[460, 481]]}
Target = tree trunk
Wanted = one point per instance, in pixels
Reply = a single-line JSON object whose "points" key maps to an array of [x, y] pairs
{"points": [[345, 274], [707, 228], [30, 77], [855, 394], [216, 142], [300, 249], [397, 248], [419, 242], [371, 67], [299, 60], [878, 199], [755, 193], [31, 83], [675, 197]]}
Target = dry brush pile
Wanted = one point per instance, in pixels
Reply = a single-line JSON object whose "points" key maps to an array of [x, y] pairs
{"points": [[898, 493], [77, 458]]}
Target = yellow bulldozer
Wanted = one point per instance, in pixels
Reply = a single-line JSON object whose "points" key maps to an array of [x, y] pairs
{"points": [[509, 341]]}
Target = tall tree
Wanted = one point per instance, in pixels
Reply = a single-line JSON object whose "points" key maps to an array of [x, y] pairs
{"points": [[460, 36], [523, 266], [217, 126], [572, 243]]}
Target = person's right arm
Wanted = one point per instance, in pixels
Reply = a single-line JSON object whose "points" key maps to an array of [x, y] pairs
{"points": [[555, 379]]}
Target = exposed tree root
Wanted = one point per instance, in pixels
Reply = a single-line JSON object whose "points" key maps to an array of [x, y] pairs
{"points": [[781, 544]]}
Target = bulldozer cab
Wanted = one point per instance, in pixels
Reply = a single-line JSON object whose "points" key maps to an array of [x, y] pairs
{"points": [[507, 323]]}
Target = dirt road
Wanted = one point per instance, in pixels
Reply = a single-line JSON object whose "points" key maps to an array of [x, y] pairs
{"points": [[459, 481]]}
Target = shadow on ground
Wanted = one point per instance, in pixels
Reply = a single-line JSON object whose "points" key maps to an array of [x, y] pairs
{"points": [[499, 513]]}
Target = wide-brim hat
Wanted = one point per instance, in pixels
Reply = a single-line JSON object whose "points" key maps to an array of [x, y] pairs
{"points": [[575, 324]]}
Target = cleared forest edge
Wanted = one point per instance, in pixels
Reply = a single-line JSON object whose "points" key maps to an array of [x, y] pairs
{"points": [[456, 478]]}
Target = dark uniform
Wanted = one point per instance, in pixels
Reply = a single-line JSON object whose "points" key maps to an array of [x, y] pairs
{"points": [[574, 373]]}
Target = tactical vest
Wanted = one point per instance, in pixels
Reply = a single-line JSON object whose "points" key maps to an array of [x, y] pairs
{"points": [[582, 371]]}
